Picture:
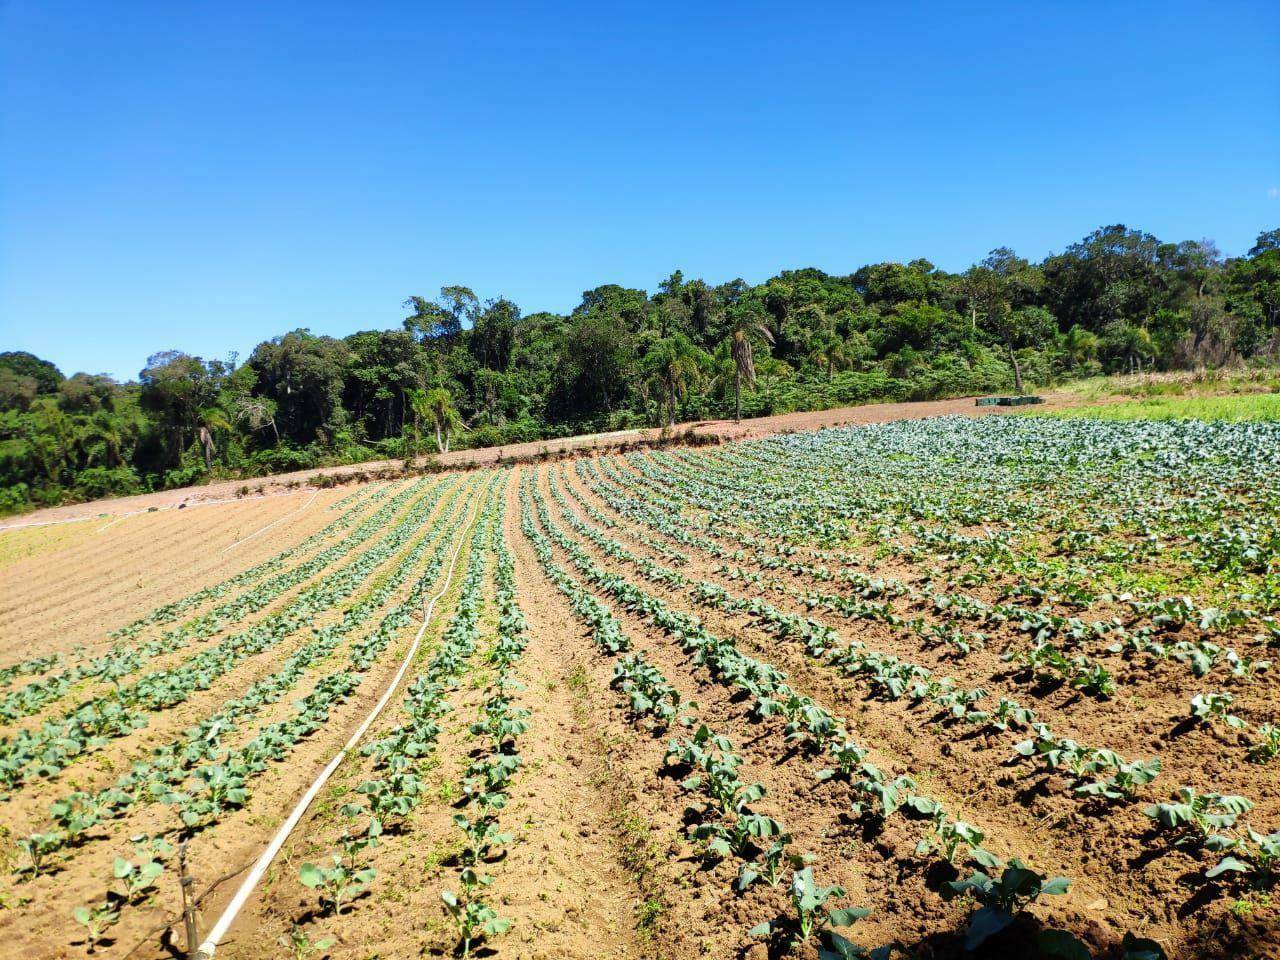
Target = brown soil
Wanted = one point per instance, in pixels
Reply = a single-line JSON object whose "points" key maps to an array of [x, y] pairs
{"points": [[601, 865]]}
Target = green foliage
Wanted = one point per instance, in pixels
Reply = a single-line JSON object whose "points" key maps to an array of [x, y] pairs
{"points": [[467, 372], [1001, 898]]}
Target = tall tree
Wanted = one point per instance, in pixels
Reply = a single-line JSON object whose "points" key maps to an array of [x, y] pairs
{"points": [[747, 319], [1027, 327], [437, 406], [675, 365]]}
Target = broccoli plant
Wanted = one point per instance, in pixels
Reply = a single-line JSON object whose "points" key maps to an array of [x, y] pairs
{"points": [[474, 919], [1211, 707], [481, 835], [96, 922], [886, 795], [344, 878], [301, 946], [1194, 817], [1001, 899], [1257, 857], [138, 879], [1126, 780], [847, 755], [337, 884], [1267, 747], [1008, 714], [393, 799], [39, 847], [947, 836], [814, 918], [769, 866]]}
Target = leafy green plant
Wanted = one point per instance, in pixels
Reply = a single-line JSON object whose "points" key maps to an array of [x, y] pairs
{"points": [[337, 884], [1001, 898], [1257, 857], [813, 917], [1193, 817], [138, 879], [96, 922], [771, 863], [1212, 707], [1267, 746], [302, 946], [39, 847], [482, 836], [474, 919], [947, 836]]}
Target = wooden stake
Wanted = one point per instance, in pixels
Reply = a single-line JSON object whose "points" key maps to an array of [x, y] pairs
{"points": [[187, 881]]}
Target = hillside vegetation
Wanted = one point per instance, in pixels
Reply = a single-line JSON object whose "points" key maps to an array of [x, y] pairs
{"points": [[465, 372]]}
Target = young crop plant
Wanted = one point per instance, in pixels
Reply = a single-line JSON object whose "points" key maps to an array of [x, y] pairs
{"points": [[1001, 898], [474, 919], [1256, 857], [881, 797], [946, 837], [346, 877], [771, 864], [338, 884], [97, 920], [481, 837], [1267, 746], [1194, 819], [1128, 778], [138, 880], [1005, 715], [39, 848], [1211, 708], [813, 917], [301, 946]]}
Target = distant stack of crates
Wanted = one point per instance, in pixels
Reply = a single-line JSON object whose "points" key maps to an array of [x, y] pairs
{"points": [[1008, 401]]}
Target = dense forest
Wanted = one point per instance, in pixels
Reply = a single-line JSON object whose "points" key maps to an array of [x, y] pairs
{"points": [[465, 372]]}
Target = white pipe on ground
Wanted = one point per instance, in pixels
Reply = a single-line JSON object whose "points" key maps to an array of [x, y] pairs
{"points": [[219, 929], [273, 523]]}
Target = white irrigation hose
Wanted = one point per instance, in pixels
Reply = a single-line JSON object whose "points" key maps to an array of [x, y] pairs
{"points": [[219, 929], [186, 505], [44, 523], [273, 523]]}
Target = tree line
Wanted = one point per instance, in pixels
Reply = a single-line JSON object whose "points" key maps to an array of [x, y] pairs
{"points": [[461, 371]]}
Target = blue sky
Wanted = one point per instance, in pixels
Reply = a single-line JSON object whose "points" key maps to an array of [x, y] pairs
{"points": [[203, 176]]}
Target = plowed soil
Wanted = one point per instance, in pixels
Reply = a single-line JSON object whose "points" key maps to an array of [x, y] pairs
{"points": [[601, 864]]}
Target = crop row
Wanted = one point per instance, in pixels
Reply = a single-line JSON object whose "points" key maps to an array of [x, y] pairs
{"points": [[169, 612], [44, 752], [202, 779], [873, 595], [201, 774], [724, 823], [125, 659], [1041, 661], [1093, 773]]}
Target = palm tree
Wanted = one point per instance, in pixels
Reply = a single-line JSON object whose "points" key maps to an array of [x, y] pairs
{"points": [[675, 365], [831, 353], [211, 418], [745, 320], [1081, 346], [437, 406]]}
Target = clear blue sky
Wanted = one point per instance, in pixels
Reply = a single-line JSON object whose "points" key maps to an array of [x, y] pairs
{"points": [[201, 176]]}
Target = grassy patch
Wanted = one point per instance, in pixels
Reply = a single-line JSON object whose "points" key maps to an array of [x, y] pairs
{"points": [[1233, 407]]}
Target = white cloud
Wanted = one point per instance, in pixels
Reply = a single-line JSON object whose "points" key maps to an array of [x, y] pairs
{"points": [[1273, 192]]}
